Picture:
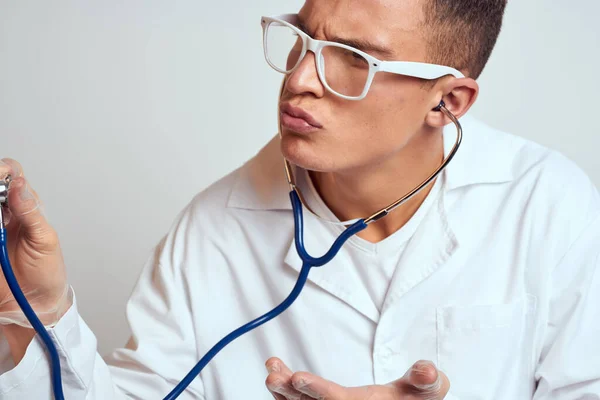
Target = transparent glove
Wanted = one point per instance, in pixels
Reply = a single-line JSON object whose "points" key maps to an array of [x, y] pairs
{"points": [[423, 381], [35, 255], [48, 317]]}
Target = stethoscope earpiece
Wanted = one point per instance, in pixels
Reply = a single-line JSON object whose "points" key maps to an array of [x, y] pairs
{"points": [[439, 107]]}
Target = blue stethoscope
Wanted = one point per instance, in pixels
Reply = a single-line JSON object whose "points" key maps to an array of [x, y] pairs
{"points": [[308, 263]]}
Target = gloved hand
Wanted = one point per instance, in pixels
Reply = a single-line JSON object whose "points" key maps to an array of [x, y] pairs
{"points": [[422, 382], [34, 253]]}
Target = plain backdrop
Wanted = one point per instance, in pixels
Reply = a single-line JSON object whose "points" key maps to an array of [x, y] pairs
{"points": [[121, 111]]}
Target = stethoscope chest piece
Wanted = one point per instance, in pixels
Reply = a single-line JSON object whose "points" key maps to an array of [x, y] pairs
{"points": [[4, 184]]}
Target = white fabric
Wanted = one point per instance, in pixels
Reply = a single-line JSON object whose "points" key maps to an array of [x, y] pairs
{"points": [[374, 264], [499, 286]]}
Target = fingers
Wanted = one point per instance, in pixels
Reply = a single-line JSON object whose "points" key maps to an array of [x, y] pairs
{"points": [[281, 388], [10, 167], [23, 202], [279, 381], [6, 214], [276, 365], [424, 381]]}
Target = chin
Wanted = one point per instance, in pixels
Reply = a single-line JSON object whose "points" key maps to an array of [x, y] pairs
{"points": [[305, 153]]}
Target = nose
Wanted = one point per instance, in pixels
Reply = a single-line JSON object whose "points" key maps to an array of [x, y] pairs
{"points": [[305, 79]]}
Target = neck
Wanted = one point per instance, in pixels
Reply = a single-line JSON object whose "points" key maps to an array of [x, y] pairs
{"points": [[358, 193]]}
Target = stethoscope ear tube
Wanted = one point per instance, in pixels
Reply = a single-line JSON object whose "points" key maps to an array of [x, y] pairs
{"points": [[459, 135]]}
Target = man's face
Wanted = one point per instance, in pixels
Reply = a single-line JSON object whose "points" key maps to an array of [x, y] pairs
{"points": [[357, 134]]}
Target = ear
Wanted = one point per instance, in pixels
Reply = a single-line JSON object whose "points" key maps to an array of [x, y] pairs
{"points": [[458, 94]]}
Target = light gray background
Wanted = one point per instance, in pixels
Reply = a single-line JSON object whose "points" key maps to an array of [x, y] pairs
{"points": [[121, 111]]}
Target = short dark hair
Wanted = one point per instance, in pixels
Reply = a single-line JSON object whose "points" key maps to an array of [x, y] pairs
{"points": [[463, 33]]}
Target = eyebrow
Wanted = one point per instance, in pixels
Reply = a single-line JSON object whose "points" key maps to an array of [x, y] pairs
{"points": [[360, 44]]}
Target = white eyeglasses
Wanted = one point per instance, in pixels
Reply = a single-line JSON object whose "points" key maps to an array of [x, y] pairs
{"points": [[343, 70]]}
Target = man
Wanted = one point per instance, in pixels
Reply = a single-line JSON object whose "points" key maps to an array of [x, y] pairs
{"points": [[489, 275]]}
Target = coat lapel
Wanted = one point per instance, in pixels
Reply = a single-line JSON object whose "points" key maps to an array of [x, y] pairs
{"points": [[335, 277], [432, 246]]}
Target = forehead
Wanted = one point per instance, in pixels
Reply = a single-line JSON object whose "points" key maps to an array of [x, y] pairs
{"points": [[392, 23]]}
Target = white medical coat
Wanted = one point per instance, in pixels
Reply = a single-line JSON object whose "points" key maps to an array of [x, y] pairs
{"points": [[499, 286]]}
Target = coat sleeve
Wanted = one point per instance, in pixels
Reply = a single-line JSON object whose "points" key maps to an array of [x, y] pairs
{"points": [[568, 367], [161, 351]]}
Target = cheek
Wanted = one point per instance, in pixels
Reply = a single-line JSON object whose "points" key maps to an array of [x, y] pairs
{"points": [[381, 124], [397, 105], [376, 118]]}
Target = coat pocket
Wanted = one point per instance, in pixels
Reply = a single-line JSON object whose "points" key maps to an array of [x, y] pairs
{"points": [[485, 349]]}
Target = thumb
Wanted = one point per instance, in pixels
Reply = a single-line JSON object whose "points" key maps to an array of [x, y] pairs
{"points": [[424, 381]]}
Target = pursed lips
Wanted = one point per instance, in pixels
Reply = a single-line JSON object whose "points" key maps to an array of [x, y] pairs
{"points": [[298, 120]]}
